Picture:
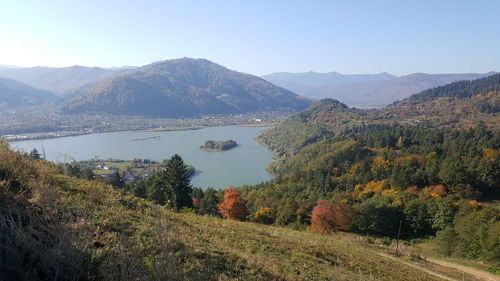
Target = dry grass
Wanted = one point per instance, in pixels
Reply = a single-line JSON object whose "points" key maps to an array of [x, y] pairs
{"points": [[80, 229]]}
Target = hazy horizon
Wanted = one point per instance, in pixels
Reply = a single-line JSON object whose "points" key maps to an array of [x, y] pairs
{"points": [[257, 37], [306, 71]]}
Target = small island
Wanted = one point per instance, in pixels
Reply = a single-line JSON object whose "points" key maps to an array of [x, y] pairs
{"points": [[212, 145]]}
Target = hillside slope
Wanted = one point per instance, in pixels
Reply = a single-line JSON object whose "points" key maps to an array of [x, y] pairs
{"points": [[14, 93], [85, 230], [59, 80], [183, 87], [456, 105]]}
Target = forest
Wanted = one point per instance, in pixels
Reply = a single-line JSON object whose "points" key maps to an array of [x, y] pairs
{"points": [[430, 183]]}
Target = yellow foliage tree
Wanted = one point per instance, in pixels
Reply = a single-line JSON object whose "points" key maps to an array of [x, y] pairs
{"points": [[264, 216], [373, 186], [379, 163]]}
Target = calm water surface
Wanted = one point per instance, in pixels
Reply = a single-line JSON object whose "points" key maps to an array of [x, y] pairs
{"points": [[244, 164]]}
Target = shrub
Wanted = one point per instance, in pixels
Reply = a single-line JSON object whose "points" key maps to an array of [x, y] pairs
{"points": [[264, 216]]}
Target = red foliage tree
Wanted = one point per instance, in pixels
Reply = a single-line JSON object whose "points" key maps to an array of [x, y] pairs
{"points": [[233, 207], [327, 217]]}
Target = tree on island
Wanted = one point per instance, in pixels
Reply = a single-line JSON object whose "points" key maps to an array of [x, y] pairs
{"points": [[219, 145]]}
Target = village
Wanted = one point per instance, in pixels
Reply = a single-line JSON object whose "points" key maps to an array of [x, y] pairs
{"points": [[130, 171]]}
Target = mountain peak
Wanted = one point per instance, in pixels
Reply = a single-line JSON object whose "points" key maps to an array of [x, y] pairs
{"points": [[183, 87]]}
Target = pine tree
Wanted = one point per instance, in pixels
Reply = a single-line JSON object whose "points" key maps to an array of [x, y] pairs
{"points": [[116, 180], [177, 178]]}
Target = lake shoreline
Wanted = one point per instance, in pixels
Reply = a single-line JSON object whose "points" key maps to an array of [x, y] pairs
{"points": [[54, 135], [62, 134], [241, 166]]}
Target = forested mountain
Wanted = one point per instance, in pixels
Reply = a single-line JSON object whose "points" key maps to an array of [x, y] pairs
{"points": [[460, 89], [377, 91], [430, 163], [457, 105], [183, 87], [14, 93], [59, 80]]}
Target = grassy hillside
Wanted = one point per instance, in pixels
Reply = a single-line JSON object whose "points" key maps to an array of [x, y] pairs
{"points": [[58, 227]]}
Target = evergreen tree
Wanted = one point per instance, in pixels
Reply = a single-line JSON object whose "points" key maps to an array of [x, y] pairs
{"points": [[208, 204], [35, 155], [116, 180], [139, 189], [177, 179], [156, 190]]}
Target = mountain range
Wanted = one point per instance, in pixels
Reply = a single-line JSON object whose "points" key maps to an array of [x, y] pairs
{"points": [[460, 104], [182, 87], [14, 93], [59, 80], [188, 87], [363, 90]]}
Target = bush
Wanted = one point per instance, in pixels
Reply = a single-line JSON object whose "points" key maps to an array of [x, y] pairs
{"points": [[264, 216]]}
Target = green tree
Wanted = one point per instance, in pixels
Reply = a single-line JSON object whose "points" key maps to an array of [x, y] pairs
{"points": [[158, 189], [35, 155], [116, 180], [177, 179], [454, 174], [208, 204], [140, 189]]}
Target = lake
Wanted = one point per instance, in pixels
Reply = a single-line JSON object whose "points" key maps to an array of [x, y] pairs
{"points": [[244, 164]]}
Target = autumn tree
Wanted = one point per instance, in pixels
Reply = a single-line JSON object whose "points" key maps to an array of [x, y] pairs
{"points": [[264, 216], [379, 167], [327, 217], [233, 207]]}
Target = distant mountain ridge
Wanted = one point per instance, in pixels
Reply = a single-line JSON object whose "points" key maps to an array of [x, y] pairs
{"points": [[182, 87], [59, 80], [304, 82], [14, 93], [460, 104], [364, 91]]}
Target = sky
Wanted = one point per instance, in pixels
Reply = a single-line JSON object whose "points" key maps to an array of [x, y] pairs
{"points": [[256, 36]]}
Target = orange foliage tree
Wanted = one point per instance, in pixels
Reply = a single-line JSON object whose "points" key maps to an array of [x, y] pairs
{"points": [[233, 207], [327, 217]]}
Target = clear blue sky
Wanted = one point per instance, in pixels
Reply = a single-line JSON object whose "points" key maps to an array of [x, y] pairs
{"points": [[256, 36]]}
